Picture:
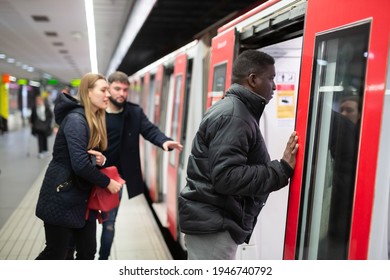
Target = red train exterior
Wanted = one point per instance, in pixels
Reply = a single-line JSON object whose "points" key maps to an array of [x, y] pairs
{"points": [[323, 54]]}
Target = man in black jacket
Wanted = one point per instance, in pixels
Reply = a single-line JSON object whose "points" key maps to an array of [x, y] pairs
{"points": [[230, 174], [126, 121]]}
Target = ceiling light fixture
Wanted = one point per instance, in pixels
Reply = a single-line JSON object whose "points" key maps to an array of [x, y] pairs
{"points": [[91, 35], [135, 21], [46, 76], [76, 35], [34, 83]]}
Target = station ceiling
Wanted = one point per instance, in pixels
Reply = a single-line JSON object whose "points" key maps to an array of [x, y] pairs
{"points": [[50, 38]]}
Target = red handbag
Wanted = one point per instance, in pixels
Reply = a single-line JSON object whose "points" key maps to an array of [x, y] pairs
{"points": [[101, 199]]}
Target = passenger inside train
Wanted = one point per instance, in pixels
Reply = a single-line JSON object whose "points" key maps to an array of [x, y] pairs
{"points": [[351, 108]]}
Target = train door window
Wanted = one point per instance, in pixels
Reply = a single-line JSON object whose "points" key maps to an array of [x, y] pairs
{"points": [[332, 145], [151, 101], [175, 119], [219, 82], [166, 87], [186, 100]]}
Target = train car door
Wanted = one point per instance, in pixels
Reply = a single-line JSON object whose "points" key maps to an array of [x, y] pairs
{"points": [[135, 91], [153, 188], [150, 164], [145, 86], [221, 61], [173, 161], [345, 54]]}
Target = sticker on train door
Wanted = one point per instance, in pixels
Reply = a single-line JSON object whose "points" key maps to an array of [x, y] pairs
{"points": [[285, 101]]}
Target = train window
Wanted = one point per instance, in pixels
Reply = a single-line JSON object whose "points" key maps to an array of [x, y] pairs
{"points": [[332, 144], [219, 82], [186, 100], [175, 119]]}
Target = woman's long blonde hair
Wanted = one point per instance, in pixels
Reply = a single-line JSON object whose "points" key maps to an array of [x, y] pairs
{"points": [[96, 121]]}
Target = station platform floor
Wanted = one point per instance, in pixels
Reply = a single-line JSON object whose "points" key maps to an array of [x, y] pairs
{"points": [[137, 235]]}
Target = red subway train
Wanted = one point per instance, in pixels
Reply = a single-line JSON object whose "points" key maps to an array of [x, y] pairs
{"points": [[333, 88]]}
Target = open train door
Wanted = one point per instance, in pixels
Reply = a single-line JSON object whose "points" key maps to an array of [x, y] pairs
{"points": [[221, 61], [345, 54], [176, 121], [153, 172], [145, 88]]}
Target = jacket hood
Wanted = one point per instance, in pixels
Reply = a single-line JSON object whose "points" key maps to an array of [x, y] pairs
{"points": [[64, 104], [254, 102]]}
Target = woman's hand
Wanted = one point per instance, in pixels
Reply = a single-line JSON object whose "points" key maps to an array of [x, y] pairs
{"points": [[114, 186], [100, 158]]}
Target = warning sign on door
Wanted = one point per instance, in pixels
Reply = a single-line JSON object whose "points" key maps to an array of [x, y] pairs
{"points": [[285, 101]]}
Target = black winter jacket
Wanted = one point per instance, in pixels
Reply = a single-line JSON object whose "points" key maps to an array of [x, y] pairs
{"points": [[229, 173], [69, 154], [38, 126], [135, 123]]}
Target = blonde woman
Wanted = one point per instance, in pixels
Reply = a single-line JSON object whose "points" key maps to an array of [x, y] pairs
{"points": [[63, 197]]}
